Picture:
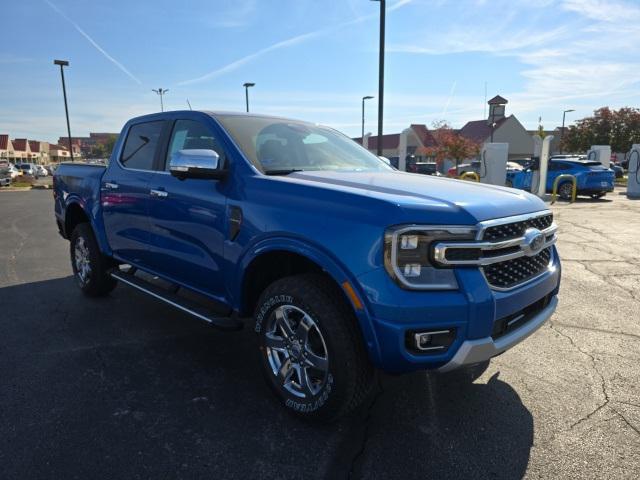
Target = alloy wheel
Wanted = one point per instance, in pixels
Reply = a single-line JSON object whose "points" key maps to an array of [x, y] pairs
{"points": [[296, 351]]}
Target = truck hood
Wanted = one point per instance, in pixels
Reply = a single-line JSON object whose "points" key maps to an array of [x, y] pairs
{"points": [[427, 193]]}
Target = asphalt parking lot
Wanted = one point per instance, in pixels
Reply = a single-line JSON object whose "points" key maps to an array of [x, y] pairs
{"points": [[123, 387]]}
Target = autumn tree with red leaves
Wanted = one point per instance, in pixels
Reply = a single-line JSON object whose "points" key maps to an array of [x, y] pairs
{"points": [[449, 145]]}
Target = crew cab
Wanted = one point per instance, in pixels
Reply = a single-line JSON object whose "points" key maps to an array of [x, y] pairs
{"points": [[342, 265], [592, 178]]}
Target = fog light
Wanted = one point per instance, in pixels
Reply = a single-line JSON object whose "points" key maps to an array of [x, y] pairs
{"points": [[435, 341]]}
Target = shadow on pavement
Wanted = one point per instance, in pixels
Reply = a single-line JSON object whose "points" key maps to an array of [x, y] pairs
{"points": [[124, 387]]}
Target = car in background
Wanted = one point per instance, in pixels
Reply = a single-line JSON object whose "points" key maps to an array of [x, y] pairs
{"points": [[514, 166], [8, 170], [473, 166], [41, 171], [5, 179], [27, 169], [424, 168], [523, 162], [617, 169], [51, 168], [592, 178]]}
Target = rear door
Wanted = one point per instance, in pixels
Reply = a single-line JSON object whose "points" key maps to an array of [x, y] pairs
{"points": [[188, 217], [125, 193]]}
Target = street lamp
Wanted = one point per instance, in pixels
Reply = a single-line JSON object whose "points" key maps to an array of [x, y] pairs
{"points": [[65, 63], [564, 113], [160, 92], [368, 97], [246, 92], [381, 74]]}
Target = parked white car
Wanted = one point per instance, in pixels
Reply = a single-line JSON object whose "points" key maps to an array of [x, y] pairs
{"points": [[41, 171]]}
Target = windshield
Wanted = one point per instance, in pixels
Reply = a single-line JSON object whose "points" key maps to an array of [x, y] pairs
{"points": [[276, 145]]}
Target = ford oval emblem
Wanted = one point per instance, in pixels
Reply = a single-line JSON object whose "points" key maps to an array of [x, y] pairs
{"points": [[533, 241]]}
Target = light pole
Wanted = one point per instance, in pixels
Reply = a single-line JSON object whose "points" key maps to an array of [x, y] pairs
{"points": [[564, 113], [65, 63], [368, 97], [246, 92], [161, 92], [381, 74]]}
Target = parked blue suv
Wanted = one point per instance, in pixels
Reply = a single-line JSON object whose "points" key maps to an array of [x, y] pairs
{"points": [[592, 178], [342, 265]]}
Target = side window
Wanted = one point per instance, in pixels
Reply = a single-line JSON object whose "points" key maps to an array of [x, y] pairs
{"points": [[192, 135], [140, 146], [554, 166]]}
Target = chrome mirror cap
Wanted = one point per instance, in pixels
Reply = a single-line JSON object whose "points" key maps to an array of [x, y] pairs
{"points": [[196, 163]]}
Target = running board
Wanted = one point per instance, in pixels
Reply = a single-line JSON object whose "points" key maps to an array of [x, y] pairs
{"points": [[183, 304]]}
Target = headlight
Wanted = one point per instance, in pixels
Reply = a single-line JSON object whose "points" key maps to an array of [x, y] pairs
{"points": [[408, 255]]}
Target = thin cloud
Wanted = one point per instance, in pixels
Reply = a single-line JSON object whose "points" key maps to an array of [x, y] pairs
{"points": [[285, 44], [93, 42]]}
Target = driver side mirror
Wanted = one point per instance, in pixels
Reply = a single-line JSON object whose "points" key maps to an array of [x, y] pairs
{"points": [[196, 163]]}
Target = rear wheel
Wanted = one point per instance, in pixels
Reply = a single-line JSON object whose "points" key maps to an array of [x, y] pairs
{"points": [[90, 266], [565, 191], [312, 352]]}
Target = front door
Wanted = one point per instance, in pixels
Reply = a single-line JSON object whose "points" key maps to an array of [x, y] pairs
{"points": [[125, 194], [188, 219]]}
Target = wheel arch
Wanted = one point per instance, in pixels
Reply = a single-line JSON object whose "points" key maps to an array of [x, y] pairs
{"points": [[289, 256]]}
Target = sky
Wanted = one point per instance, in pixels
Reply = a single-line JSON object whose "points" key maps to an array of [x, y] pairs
{"points": [[314, 60]]}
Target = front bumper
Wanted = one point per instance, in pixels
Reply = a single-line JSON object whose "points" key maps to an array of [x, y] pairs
{"points": [[476, 351], [472, 311]]}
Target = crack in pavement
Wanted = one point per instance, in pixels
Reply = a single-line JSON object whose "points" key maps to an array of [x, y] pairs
{"points": [[598, 330], [633, 427], [349, 459], [603, 385]]}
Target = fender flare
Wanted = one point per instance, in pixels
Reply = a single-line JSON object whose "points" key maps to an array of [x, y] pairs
{"points": [[73, 199], [325, 260]]}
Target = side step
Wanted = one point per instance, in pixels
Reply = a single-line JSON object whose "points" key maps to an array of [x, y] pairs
{"points": [[175, 300]]}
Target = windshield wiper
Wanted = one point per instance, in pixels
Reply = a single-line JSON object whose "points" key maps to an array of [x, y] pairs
{"points": [[283, 171]]}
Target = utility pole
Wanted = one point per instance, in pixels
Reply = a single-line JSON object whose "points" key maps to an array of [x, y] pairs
{"points": [[246, 92], [368, 97], [65, 63], [161, 92], [381, 74], [562, 130]]}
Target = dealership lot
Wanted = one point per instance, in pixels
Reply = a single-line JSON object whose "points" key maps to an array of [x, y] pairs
{"points": [[123, 387]]}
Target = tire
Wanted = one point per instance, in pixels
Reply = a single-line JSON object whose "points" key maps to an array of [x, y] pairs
{"points": [[311, 349], [565, 190], [90, 266]]}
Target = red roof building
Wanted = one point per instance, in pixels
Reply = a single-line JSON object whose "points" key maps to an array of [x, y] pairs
{"points": [[419, 136]]}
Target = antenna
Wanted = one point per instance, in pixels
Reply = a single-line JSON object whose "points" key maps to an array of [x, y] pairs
{"points": [[188, 103]]}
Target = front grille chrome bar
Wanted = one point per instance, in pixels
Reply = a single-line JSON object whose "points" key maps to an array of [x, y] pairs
{"points": [[441, 248]]}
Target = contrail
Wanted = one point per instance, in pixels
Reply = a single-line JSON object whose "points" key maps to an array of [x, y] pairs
{"points": [[451, 93], [286, 43], [93, 42]]}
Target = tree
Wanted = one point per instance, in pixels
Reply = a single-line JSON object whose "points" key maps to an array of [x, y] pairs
{"points": [[618, 128], [449, 145], [108, 145]]}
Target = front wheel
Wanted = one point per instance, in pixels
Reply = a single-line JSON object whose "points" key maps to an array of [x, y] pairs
{"points": [[90, 266], [312, 351]]}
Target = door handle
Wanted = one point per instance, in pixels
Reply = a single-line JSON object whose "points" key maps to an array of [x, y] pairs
{"points": [[111, 186], [158, 193]]}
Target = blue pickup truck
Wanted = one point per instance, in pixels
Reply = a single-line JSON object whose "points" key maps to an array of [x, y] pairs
{"points": [[342, 265], [592, 178]]}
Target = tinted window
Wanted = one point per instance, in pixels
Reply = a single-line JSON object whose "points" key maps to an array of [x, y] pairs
{"points": [[192, 135], [140, 147], [558, 166], [274, 144]]}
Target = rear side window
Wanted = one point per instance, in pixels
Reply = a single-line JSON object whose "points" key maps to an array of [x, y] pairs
{"points": [[141, 144]]}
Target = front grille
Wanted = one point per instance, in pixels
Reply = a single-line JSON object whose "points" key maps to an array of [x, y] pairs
{"points": [[516, 229], [510, 273]]}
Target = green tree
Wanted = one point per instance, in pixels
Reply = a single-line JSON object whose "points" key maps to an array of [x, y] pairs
{"points": [[111, 141], [618, 128]]}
